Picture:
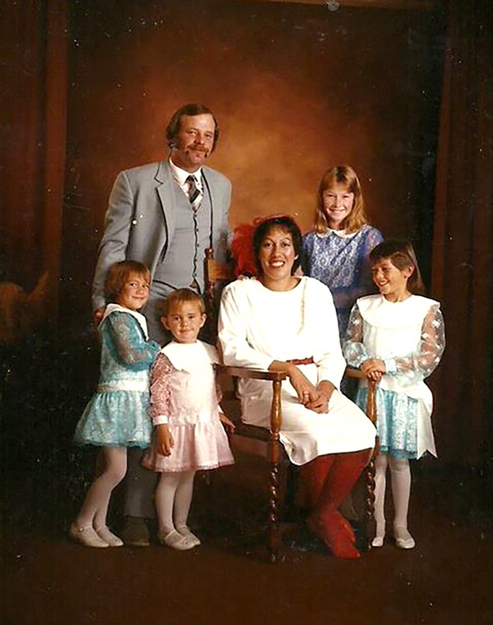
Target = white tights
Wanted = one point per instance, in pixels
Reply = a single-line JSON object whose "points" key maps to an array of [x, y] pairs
{"points": [[400, 472], [113, 464], [173, 498]]}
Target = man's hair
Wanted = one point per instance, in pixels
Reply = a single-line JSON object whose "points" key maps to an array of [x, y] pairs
{"points": [[401, 254], [173, 127], [118, 275], [284, 223], [181, 296], [346, 176]]}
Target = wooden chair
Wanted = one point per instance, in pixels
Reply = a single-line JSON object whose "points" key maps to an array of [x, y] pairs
{"points": [[215, 274]]}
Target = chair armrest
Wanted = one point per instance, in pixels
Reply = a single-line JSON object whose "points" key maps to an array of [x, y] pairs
{"points": [[256, 374], [276, 377], [371, 408], [354, 373]]}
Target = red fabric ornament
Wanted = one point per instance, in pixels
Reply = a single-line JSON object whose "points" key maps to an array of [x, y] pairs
{"points": [[242, 250]]}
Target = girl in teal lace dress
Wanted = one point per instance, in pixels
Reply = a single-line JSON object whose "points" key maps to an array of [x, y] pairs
{"points": [[397, 338], [117, 415]]}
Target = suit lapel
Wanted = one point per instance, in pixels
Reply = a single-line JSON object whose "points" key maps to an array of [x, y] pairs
{"points": [[166, 196]]}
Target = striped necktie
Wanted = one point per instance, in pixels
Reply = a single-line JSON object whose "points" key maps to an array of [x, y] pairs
{"points": [[194, 193]]}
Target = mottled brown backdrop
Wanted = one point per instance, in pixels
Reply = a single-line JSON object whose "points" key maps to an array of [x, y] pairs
{"points": [[296, 88]]}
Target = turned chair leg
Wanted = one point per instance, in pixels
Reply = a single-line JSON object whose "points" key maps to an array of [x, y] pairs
{"points": [[274, 508], [370, 502]]}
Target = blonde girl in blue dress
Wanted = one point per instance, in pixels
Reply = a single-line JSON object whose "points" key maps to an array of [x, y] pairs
{"points": [[336, 251], [117, 415], [397, 338]]}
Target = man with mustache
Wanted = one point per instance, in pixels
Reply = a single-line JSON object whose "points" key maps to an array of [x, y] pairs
{"points": [[162, 217]]}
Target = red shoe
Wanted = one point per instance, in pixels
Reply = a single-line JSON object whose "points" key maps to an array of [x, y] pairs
{"points": [[333, 531], [349, 530]]}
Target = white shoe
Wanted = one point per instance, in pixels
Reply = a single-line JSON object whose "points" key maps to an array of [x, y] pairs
{"points": [[378, 541], [403, 538], [108, 537], [86, 536], [186, 533], [379, 535], [176, 541]]}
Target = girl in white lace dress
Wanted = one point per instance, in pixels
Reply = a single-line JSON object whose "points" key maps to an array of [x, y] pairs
{"points": [[117, 415], [188, 434], [397, 338]]}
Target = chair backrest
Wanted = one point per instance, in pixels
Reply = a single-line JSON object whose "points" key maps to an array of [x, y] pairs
{"points": [[216, 276]]}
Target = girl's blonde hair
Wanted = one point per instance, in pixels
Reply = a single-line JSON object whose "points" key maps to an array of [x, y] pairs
{"points": [[401, 254], [346, 176], [118, 275]]}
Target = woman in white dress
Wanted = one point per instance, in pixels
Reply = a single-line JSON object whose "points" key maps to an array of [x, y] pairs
{"points": [[274, 323]]}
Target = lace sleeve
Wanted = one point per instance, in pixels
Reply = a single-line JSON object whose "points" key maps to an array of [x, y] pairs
{"points": [[354, 349], [345, 297], [160, 390], [423, 362], [130, 346]]}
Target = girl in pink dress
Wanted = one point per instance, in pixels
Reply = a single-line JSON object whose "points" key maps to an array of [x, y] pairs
{"points": [[188, 434]]}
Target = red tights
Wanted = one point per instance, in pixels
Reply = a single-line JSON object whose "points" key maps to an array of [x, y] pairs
{"points": [[328, 480]]}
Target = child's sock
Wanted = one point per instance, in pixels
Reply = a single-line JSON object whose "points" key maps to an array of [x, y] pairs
{"points": [[183, 499], [165, 498], [95, 506], [401, 492]]}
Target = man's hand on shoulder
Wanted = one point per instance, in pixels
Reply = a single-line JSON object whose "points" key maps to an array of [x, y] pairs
{"points": [[97, 316]]}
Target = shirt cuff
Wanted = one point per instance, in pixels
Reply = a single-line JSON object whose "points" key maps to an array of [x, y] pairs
{"points": [[160, 420], [390, 366]]}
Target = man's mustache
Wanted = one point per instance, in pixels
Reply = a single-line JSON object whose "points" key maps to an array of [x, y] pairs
{"points": [[198, 148]]}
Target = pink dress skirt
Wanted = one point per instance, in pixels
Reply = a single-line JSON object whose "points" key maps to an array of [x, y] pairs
{"points": [[183, 393]]}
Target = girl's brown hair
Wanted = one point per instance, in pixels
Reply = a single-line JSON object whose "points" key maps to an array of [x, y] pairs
{"points": [[180, 296], [118, 275], [346, 176], [401, 254]]}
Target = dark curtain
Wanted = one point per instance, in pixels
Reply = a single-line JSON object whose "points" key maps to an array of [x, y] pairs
{"points": [[463, 236], [33, 79]]}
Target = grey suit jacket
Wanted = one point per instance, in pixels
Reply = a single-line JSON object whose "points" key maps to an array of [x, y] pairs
{"points": [[140, 220]]}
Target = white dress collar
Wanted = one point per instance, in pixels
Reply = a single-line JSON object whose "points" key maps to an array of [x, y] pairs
{"points": [[182, 355], [111, 308]]}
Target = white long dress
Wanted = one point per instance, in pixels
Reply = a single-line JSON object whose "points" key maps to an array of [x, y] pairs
{"points": [[409, 336], [258, 326]]}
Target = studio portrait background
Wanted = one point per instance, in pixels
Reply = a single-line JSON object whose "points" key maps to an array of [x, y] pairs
{"points": [[401, 90], [297, 87]]}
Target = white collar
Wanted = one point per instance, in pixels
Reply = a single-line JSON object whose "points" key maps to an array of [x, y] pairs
{"points": [[343, 234], [339, 233], [111, 308], [180, 175]]}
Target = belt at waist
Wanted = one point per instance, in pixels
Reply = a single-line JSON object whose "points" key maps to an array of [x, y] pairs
{"points": [[141, 386], [301, 361]]}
